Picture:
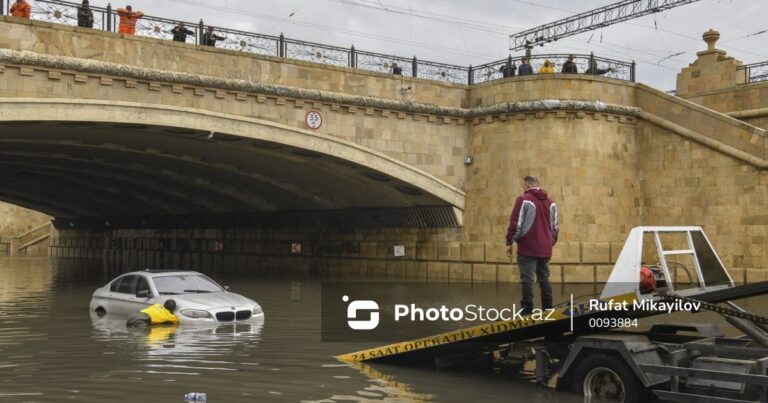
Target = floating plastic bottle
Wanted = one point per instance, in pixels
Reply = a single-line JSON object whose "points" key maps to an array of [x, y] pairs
{"points": [[196, 397]]}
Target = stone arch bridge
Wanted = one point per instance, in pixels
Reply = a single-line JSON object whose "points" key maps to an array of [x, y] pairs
{"points": [[154, 153]]}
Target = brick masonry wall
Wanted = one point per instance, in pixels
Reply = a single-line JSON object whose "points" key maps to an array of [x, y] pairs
{"points": [[733, 99], [534, 88], [436, 254], [62, 40], [15, 220], [586, 161], [683, 183]]}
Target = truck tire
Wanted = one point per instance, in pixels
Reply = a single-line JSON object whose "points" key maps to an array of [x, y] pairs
{"points": [[606, 377]]}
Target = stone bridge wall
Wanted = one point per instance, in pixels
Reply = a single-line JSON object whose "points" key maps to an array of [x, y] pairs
{"points": [[364, 107], [613, 155]]}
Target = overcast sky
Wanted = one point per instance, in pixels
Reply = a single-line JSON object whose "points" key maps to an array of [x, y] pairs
{"points": [[476, 32]]}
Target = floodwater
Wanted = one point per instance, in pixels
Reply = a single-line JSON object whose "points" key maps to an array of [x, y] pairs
{"points": [[51, 349]]}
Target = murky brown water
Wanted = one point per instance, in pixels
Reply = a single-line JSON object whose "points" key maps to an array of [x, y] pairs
{"points": [[52, 350]]}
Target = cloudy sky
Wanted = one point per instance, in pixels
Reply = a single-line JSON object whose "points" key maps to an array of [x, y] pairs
{"points": [[476, 32]]}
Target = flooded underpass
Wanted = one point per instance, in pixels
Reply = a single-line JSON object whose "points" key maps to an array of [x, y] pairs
{"points": [[53, 349]]}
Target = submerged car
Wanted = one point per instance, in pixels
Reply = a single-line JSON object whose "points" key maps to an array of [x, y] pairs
{"points": [[198, 298]]}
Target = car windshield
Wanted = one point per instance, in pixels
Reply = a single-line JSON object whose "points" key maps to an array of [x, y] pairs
{"points": [[185, 284]]}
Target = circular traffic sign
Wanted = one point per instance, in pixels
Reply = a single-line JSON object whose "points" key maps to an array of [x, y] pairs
{"points": [[313, 119]]}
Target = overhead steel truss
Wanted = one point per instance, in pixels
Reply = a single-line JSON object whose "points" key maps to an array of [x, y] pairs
{"points": [[589, 20]]}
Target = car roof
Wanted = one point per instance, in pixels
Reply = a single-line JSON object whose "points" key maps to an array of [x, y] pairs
{"points": [[160, 273]]}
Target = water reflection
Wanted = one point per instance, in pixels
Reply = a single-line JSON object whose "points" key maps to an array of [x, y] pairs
{"points": [[52, 350], [180, 342], [383, 386], [31, 280], [395, 383]]}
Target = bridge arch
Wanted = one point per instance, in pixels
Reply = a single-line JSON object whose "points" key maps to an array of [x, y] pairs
{"points": [[77, 158]]}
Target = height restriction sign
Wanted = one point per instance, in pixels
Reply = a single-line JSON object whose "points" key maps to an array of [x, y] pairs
{"points": [[313, 119]]}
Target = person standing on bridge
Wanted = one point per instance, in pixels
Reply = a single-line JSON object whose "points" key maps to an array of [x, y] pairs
{"points": [[547, 68], [21, 9], [180, 32], [85, 15], [128, 19], [525, 68], [593, 70], [508, 71], [569, 67], [533, 225], [209, 38]]}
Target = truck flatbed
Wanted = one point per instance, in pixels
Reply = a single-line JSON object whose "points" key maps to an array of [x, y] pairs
{"points": [[465, 340]]}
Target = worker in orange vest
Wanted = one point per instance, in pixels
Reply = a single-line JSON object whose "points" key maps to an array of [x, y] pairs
{"points": [[128, 20], [21, 9]]}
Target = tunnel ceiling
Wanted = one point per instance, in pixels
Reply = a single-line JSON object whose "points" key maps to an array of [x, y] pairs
{"points": [[85, 169]]}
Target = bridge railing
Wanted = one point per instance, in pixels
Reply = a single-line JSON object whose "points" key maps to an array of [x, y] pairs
{"points": [[105, 18], [755, 72], [249, 42], [383, 63], [615, 68], [63, 12]]}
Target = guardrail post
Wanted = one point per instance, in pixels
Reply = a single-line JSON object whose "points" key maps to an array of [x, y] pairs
{"points": [[2, 9], [108, 17], [592, 64], [352, 57], [632, 72], [281, 46], [471, 75], [415, 67], [200, 32]]}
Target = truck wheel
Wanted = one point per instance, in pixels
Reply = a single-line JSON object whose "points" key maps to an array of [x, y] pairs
{"points": [[607, 378]]}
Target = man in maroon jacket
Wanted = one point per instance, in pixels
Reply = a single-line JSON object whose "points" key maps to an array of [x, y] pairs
{"points": [[533, 225]]}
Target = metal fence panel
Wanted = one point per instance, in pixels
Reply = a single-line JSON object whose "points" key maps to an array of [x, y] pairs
{"points": [[755, 73], [382, 63], [318, 53]]}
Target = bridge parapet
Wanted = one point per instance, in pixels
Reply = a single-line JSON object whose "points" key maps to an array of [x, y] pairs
{"points": [[105, 19]]}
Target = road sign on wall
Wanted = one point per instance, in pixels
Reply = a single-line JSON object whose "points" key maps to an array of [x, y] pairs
{"points": [[313, 119]]}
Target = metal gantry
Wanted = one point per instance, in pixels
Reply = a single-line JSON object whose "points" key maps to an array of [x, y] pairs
{"points": [[590, 20]]}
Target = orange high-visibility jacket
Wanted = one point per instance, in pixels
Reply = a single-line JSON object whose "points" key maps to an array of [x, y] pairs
{"points": [[23, 9], [128, 20]]}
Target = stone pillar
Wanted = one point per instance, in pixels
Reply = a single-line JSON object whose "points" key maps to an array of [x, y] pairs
{"points": [[712, 70], [14, 247]]}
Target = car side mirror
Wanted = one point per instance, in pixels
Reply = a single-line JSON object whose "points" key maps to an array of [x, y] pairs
{"points": [[143, 294], [226, 287]]}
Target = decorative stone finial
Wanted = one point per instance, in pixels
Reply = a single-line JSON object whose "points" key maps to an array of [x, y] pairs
{"points": [[711, 37]]}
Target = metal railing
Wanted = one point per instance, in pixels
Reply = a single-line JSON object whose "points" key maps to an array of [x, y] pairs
{"points": [[605, 67], [62, 12], [755, 72], [106, 19]]}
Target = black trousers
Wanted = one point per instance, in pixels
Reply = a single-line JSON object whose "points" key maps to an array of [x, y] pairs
{"points": [[534, 268]]}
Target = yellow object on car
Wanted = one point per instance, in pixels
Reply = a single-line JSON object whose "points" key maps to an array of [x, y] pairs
{"points": [[158, 315]]}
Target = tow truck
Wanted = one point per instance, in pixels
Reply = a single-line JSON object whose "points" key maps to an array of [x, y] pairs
{"points": [[588, 349]]}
